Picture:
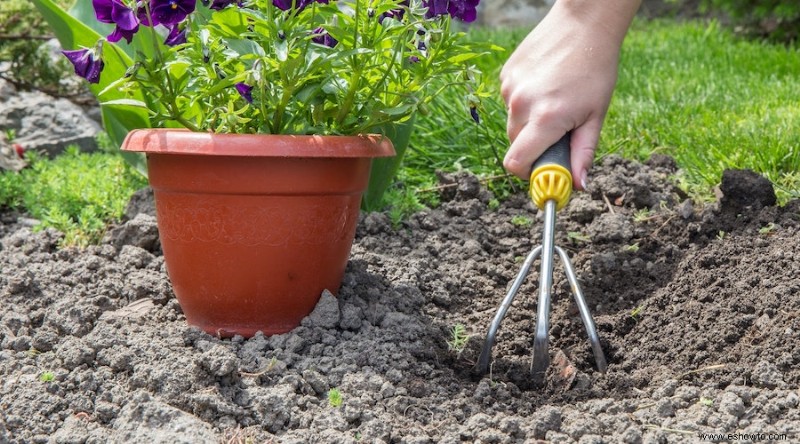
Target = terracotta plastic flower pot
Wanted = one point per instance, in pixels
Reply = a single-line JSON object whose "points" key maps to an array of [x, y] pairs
{"points": [[255, 227]]}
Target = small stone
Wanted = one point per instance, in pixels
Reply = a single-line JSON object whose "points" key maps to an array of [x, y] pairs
{"points": [[326, 314], [731, 404], [686, 209], [141, 231], [545, 419], [745, 188], [316, 381], [664, 408], [351, 317], [767, 375]]}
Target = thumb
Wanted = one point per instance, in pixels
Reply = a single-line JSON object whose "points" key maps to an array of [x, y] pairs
{"points": [[582, 147]]}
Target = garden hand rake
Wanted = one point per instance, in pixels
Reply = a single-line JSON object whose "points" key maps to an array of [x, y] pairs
{"points": [[550, 189]]}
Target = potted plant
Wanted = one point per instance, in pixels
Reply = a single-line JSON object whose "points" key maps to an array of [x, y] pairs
{"points": [[263, 116]]}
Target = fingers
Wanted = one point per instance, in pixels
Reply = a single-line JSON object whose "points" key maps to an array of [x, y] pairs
{"points": [[582, 146], [531, 141]]}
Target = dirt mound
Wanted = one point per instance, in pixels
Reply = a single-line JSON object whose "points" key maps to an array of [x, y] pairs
{"points": [[697, 308]]}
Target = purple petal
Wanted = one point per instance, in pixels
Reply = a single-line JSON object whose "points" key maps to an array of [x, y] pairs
{"points": [[323, 38], [435, 7], [80, 58], [95, 69], [120, 33], [141, 14], [103, 10], [85, 64], [171, 12], [245, 90], [124, 17], [283, 5], [220, 4], [176, 36], [473, 111]]}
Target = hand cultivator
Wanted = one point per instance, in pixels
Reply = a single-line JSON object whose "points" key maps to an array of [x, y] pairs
{"points": [[550, 189]]}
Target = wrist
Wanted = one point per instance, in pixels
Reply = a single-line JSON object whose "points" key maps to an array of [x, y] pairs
{"points": [[613, 16]]}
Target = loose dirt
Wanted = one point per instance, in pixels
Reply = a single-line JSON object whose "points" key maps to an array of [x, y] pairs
{"points": [[697, 307]]}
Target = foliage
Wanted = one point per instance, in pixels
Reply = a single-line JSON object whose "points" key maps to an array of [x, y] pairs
{"points": [[402, 203], [278, 67], [76, 193], [458, 339], [443, 142], [335, 397], [272, 66], [778, 20], [23, 44]]}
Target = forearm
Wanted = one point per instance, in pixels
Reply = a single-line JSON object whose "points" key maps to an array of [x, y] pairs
{"points": [[613, 16]]}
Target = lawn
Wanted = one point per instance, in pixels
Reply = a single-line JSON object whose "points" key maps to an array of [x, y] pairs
{"points": [[690, 90]]}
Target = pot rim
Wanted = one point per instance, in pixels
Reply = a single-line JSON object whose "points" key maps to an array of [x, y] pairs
{"points": [[181, 141]]}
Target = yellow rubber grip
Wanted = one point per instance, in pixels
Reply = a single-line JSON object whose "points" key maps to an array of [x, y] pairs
{"points": [[550, 181]]}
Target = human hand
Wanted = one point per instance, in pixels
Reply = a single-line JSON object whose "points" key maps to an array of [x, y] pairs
{"points": [[560, 79]]}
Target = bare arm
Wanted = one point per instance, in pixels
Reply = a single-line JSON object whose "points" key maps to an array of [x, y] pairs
{"points": [[561, 78]]}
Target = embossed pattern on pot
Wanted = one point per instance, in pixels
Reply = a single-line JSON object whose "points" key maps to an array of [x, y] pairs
{"points": [[209, 222]]}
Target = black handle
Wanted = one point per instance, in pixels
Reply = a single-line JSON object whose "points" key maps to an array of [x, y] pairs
{"points": [[558, 154]]}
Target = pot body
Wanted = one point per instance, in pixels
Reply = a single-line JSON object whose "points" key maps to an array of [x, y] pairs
{"points": [[255, 227]]}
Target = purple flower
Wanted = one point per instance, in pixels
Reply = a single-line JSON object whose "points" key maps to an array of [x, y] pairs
{"points": [[394, 13], [176, 36], [435, 7], [87, 65], [473, 111], [141, 14], [245, 90], [285, 5], [322, 37], [465, 10], [171, 12], [221, 4], [114, 11]]}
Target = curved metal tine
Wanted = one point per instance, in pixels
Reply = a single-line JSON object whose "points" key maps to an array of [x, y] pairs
{"points": [[586, 316], [486, 353]]}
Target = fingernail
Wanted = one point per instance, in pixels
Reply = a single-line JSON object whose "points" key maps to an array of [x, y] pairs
{"points": [[584, 175]]}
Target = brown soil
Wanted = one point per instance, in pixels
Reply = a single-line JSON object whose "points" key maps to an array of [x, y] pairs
{"points": [[697, 308]]}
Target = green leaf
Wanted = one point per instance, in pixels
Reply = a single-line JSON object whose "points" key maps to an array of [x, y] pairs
{"points": [[230, 21], [125, 102], [243, 47], [73, 34], [462, 57]]}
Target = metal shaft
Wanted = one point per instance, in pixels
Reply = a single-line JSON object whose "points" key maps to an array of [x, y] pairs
{"points": [[541, 356]]}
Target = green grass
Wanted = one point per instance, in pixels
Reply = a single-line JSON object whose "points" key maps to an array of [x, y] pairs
{"points": [[690, 90], [76, 193], [711, 100]]}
